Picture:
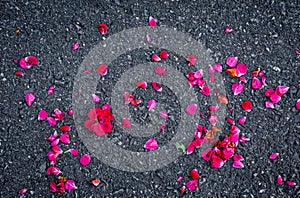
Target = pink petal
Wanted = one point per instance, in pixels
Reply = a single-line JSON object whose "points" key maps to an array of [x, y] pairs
{"points": [[163, 54], [237, 88], [238, 157], [298, 104], [198, 74], [162, 127], [58, 114], [206, 154], [297, 51], [275, 98], [244, 139], [102, 69], [126, 123], [238, 164], [53, 170], [212, 78], [96, 182], [53, 187], [51, 89], [290, 183], [281, 90], [192, 59], [57, 149], [180, 178], [148, 39], [211, 70], [263, 80], [27, 62], [160, 71], [152, 21], [52, 156], [227, 153], [192, 185], [85, 159], [142, 84], [273, 156], [29, 98], [151, 104], [190, 148], [230, 121], [279, 180], [65, 138], [151, 144], [231, 61], [156, 86], [234, 129], [127, 98], [23, 191], [269, 92], [243, 79], [164, 114], [155, 57], [51, 121], [242, 120], [55, 142], [96, 98], [70, 112], [65, 128], [247, 105], [241, 69], [213, 108], [75, 46], [194, 174], [74, 152], [206, 90], [182, 189], [19, 73], [70, 185], [191, 109], [213, 119], [228, 29], [269, 104], [256, 84], [52, 137], [218, 67], [216, 162], [42, 115]]}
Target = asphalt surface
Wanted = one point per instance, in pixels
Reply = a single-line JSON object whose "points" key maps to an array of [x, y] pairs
{"points": [[264, 35]]}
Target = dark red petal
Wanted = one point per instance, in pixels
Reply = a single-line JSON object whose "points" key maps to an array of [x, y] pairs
{"points": [[163, 54], [194, 174], [247, 105], [102, 28]]}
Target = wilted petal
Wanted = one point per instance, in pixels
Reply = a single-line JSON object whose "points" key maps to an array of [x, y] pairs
{"points": [[191, 109], [152, 21], [65, 128], [135, 102], [211, 69], [151, 144], [247, 105], [231, 61], [162, 127], [290, 183], [85, 159], [256, 84], [228, 29], [212, 78], [281, 90], [29, 98], [126, 123], [218, 67], [244, 139], [42, 115], [102, 28], [155, 57], [156, 86], [273, 156], [222, 99], [242, 120], [142, 84], [231, 72], [96, 182], [269, 104], [194, 174], [279, 180], [213, 119], [70, 185], [102, 69], [192, 59], [51, 121], [163, 54], [216, 162], [241, 69], [238, 164], [65, 138], [192, 185], [23, 191], [19, 73], [275, 98], [160, 71], [151, 104], [75, 46], [269, 92], [237, 88], [96, 98]]}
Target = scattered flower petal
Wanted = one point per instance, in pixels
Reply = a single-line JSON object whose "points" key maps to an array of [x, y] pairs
{"points": [[275, 98], [297, 51], [96, 98], [126, 123], [242, 120], [162, 127], [256, 84], [237, 88], [222, 99], [102, 69], [75, 46], [192, 59], [96, 182], [29, 98], [151, 104], [28, 62], [42, 115], [247, 105], [244, 139], [51, 90], [65, 128], [269, 92], [213, 108], [156, 86], [213, 119], [231, 61], [238, 164], [160, 71], [142, 84], [163, 54], [70, 112], [290, 183], [243, 79], [216, 162], [298, 104], [102, 28], [85, 159], [230, 121], [192, 185], [191, 109], [194, 174], [151, 144], [155, 57], [231, 72], [241, 69], [148, 39], [19, 73], [65, 138], [152, 22], [228, 29], [281, 90], [58, 114], [180, 178], [269, 104], [273, 156], [51, 121], [206, 90], [279, 180], [211, 69], [74, 152], [164, 114], [70, 185], [218, 67], [23, 191], [238, 157]]}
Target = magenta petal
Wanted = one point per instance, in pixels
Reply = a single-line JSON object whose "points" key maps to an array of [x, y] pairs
{"points": [[51, 121], [70, 185], [152, 21], [269, 92], [127, 98], [74, 152], [51, 89], [151, 104], [273, 156], [164, 114], [230, 121], [242, 120], [141, 84], [148, 39], [32, 60], [212, 78], [58, 114], [275, 98], [237, 88], [213, 119], [211, 70], [156, 86], [126, 123], [96, 98], [243, 79], [228, 29], [238, 164], [281, 90], [151, 144], [162, 127], [192, 185], [190, 148], [256, 84], [70, 112], [244, 139], [213, 108], [191, 109], [290, 183], [231, 61], [23, 191], [85, 159], [216, 162], [42, 115], [198, 74], [279, 180], [263, 80], [102, 69], [269, 104], [206, 154], [65, 138], [75, 46], [238, 157], [155, 57], [206, 90], [180, 178], [29, 98], [52, 137], [241, 69], [218, 67], [298, 104]]}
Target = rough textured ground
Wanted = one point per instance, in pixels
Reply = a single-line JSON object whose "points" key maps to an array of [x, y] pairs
{"points": [[264, 35]]}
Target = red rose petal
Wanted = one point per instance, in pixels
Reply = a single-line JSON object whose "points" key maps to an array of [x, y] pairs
{"points": [[155, 58], [269, 92], [156, 86], [160, 71], [243, 79], [247, 105], [180, 178], [42, 115], [53, 187], [279, 180], [213, 108], [230, 121], [297, 51], [96, 182], [194, 174], [273, 156], [19, 73], [238, 157], [102, 28], [206, 154], [182, 189], [256, 84], [211, 69], [216, 162], [237, 88], [28, 61], [29, 98], [241, 69], [142, 84], [152, 22], [162, 127], [191, 109], [191, 59], [231, 72], [151, 104], [75, 46], [102, 69], [151, 144], [57, 149], [231, 61], [96, 98], [205, 90], [126, 123], [65, 128], [70, 185], [163, 54], [85, 159], [52, 136]]}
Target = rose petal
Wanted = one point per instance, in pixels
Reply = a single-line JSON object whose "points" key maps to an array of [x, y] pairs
{"points": [[290, 183], [238, 164], [234, 129], [218, 67], [65, 128], [65, 138], [263, 80], [160, 71], [298, 104], [151, 104], [155, 57], [279, 180], [222, 99], [281, 90], [58, 114], [142, 84], [23, 191], [162, 127], [192, 185], [57, 149], [238, 157], [275, 98], [269, 104], [74, 152], [85, 159], [242, 120], [191, 59], [194, 174], [152, 21], [29, 98], [126, 123], [191, 109], [227, 153], [244, 139], [247, 105], [96, 182], [228, 29], [230, 121], [102, 69], [96, 98], [75, 46], [163, 54], [53, 170], [151, 144], [211, 69], [51, 90], [198, 74], [213, 108], [51, 121], [52, 137], [243, 79], [102, 28], [156, 86], [53, 187], [164, 114], [70, 185], [231, 72], [212, 78], [231, 61], [269, 92], [297, 51], [42, 115], [28, 61], [216, 162], [256, 84], [273, 156], [182, 189], [148, 39], [205, 90], [213, 119], [206, 154], [241, 69], [19, 73], [180, 178], [237, 88]]}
